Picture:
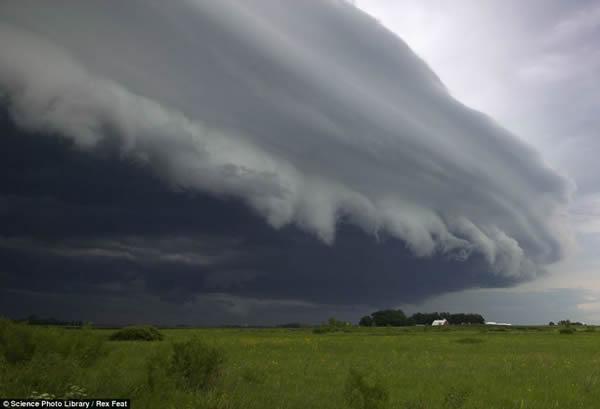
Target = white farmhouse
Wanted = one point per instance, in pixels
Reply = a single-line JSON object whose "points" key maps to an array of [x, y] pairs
{"points": [[437, 323]]}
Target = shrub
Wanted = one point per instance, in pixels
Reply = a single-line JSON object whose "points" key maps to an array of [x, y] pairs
{"points": [[361, 392], [196, 365], [137, 333], [566, 330], [17, 343], [455, 398]]}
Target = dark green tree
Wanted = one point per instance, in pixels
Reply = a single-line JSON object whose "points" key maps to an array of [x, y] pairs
{"points": [[394, 318], [366, 321]]}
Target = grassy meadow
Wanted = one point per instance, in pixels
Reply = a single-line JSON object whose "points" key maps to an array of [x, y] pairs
{"points": [[410, 368]]}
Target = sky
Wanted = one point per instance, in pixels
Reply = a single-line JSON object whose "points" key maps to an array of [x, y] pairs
{"points": [[264, 162], [533, 66]]}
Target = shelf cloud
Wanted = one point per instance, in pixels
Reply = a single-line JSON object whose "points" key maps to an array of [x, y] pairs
{"points": [[312, 115]]}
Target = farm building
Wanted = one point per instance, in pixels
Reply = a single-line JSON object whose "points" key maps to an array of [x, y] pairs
{"points": [[437, 323]]}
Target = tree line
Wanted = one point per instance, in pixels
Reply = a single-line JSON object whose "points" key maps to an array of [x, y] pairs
{"points": [[397, 318], [566, 323], [34, 320]]}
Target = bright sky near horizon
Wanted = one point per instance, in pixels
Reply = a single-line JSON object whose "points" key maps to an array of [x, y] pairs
{"points": [[534, 67]]}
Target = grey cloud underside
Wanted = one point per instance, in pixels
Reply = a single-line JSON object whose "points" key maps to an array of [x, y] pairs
{"points": [[310, 113], [78, 224]]}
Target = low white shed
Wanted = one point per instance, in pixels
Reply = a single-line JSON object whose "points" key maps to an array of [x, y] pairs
{"points": [[437, 323]]}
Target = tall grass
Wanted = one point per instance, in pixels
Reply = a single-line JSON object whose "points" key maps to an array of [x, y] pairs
{"points": [[196, 365], [38, 362], [365, 392], [45, 359], [380, 368]]}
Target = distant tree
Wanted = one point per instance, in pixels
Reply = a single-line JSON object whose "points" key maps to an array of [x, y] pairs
{"points": [[397, 318], [394, 318], [569, 322], [366, 321], [565, 323], [458, 319], [455, 319], [420, 319], [551, 323], [35, 320]]}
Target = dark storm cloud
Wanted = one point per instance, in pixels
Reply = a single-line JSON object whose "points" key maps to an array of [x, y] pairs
{"points": [[151, 143], [124, 232]]}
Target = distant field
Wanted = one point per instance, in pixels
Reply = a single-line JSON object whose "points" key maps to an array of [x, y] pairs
{"points": [[418, 367]]}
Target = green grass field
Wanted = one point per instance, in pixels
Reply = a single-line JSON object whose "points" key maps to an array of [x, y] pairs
{"points": [[418, 367]]}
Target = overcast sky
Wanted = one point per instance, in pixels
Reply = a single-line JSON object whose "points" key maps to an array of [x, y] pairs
{"points": [[264, 162]]}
